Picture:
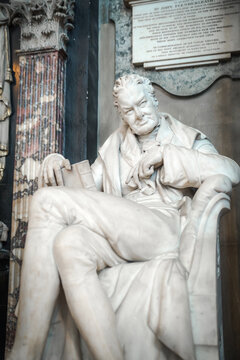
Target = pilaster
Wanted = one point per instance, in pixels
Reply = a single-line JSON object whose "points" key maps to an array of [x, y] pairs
{"points": [[40, 115]]}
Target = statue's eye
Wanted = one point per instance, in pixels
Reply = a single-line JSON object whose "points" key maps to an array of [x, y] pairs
{"points": [[143, 103], [129, 112]]}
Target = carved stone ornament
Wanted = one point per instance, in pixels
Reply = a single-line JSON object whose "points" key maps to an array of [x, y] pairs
{"points": [[43, 23]]}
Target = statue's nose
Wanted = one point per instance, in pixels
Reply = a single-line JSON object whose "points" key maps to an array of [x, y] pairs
{"points": [[138, 113]]}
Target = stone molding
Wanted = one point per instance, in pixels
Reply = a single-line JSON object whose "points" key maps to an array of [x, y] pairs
{"points": [[129, 3], [44, 24]]}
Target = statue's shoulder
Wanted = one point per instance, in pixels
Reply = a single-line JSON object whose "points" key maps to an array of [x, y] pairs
{"points": [[186, 134], [114, 141]]}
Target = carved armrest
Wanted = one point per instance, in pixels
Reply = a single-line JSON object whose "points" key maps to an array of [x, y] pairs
{"points": [[211, 197], [198, 253]]}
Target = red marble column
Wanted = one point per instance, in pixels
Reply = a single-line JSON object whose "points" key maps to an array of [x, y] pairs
{"points": [[39, 132]]}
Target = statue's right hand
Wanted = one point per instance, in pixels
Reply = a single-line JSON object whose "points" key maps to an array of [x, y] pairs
{"points": [[52, 169]]}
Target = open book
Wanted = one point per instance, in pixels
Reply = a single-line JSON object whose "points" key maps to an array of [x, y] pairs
{"points": [[80, 175]]}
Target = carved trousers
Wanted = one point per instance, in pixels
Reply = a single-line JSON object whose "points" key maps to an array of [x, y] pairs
{"points": [[72, 234], [109, 227]]}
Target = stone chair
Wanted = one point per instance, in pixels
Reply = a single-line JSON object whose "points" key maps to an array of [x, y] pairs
{"points": [[204, 265], [197, 254]]}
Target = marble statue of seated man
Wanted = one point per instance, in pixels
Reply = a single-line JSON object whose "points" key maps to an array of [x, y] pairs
{"points": [[145, 174]]}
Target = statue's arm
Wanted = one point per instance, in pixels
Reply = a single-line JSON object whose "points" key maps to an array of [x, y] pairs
{"points": [[184, 167]]}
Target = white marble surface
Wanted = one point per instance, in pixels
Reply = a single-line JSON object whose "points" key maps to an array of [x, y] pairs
{"points": [[163, 303]]}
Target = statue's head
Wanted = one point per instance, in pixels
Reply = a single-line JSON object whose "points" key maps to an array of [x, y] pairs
{"points": [[135, 99]]}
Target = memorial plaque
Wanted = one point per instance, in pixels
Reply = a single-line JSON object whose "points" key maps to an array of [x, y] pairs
{"points": [[170, 33]]}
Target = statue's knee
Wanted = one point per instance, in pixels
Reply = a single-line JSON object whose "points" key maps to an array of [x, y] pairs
{"points": [[45, 198], [41, 196], [69, 245]]}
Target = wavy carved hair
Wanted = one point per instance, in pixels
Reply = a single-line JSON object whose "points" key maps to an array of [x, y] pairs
{"points": [[133, 79]]}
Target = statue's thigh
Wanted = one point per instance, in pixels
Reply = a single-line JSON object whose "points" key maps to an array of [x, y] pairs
{"points": [[134, 231], [145, 234]]}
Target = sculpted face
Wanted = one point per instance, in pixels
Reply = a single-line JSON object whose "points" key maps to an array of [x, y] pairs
{"points": [[137, 109]]}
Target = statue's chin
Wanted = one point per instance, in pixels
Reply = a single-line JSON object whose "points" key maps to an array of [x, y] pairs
{"points": [[144, 129]]}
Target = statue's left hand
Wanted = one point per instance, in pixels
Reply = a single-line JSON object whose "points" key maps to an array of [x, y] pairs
{"points": [[150, 160]]}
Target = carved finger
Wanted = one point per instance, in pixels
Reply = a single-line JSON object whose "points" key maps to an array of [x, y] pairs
{"points": [[133, 175], [149, 171], [66, 164], [141, 172], [144, 169], [136, 177]]}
